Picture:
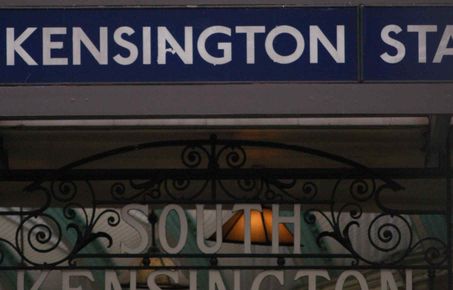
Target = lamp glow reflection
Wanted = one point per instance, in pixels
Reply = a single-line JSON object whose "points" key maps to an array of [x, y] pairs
{"points": [[261, 229]]}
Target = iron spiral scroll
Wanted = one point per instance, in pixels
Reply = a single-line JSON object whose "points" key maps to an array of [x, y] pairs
{"points": [[213, 171]]}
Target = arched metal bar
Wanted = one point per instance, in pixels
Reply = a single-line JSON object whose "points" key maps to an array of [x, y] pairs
{"points": [[223, 142]]}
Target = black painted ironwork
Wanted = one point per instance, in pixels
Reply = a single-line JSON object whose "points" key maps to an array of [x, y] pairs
{"points": [[217, 171]]}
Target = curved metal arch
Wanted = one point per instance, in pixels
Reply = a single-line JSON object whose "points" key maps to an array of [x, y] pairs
{"points": [[214, 141]]}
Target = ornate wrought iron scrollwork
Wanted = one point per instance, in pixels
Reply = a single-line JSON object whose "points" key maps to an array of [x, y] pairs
{"points": [[265, 188], [384, 231], [67, 223], [216, 171]]}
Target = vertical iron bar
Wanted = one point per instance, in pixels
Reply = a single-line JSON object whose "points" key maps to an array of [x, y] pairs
{"points": [[213, 166], [153, 219], [449, 214], [431, 278], [22, 244]]}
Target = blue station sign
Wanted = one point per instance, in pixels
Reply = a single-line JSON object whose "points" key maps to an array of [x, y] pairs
{"points": [[225, 45], [410, 43]]}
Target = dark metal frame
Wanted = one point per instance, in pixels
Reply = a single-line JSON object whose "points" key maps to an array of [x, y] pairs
{"points": [[209, 168]]}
